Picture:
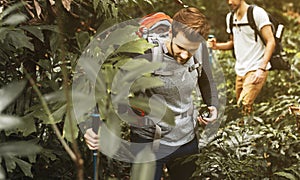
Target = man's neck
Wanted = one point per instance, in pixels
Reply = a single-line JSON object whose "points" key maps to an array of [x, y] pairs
{"points": [[242, 10]]}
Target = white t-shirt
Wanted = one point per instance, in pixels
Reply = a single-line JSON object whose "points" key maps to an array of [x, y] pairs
{"points": [[248, 52]]}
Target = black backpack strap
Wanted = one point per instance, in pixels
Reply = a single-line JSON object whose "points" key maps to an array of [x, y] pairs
{"points": [[231, 22], [251, 21], [197, 64]]}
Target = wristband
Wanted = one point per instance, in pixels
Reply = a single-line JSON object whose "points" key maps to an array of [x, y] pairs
{"points": [[263, 69]]}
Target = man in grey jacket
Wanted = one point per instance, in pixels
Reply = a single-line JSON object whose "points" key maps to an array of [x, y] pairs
{"points": [[186, 40]]}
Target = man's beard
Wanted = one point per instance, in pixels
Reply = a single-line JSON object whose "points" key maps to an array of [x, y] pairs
{"points": [[181, 60]]}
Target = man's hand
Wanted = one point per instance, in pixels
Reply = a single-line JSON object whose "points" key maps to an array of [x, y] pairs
{"points": [[258, 76], [213, 116], [91, 139], [212, 43]]}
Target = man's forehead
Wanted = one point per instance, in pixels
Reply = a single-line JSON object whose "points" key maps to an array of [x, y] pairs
{"points": [[182, 41]]}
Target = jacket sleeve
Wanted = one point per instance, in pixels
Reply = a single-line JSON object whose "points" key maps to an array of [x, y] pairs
{"points": [[206, 82]]}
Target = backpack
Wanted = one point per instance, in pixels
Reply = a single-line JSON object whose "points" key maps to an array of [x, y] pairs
{"points": [[277, 60], [154, 25]]}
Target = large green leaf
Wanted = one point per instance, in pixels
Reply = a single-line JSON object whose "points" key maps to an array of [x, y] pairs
{"points": [[2, 173], [3, 33], [154, 108], [35, 30], [52, 28], [95, 4], [70, 131], [138, 46], [49, 155], [14, 19], [9, 122], [59, 113], [11, 162], [21, 148], [82, 39], [286, 175], [9, 93], [134, 69], [110, 135], [40, 114], [10, 9], [25, 167], [120, 36], [18, 39], [143, 83]]}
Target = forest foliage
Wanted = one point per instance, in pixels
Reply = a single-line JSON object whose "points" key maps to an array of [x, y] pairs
{"points": [[41, 43]]}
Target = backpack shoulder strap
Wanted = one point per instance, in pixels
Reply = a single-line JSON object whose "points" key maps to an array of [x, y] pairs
{"points": [[158, 56], [251, 21], [157, 51], [250, 17], [231, 22], [197, 63]]}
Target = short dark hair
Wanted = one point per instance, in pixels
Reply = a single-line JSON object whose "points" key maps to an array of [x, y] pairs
{"points": [[192, 23]]}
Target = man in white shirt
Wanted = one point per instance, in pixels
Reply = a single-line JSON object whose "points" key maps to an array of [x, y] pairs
{"points": [[252, 55]]}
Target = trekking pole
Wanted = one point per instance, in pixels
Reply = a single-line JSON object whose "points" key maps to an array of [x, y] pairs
{"points": [[95, 127], [210, 49]]}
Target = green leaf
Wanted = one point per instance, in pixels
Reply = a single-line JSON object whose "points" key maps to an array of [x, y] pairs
{"points": [[54, 42], [25, 167], [135, 69], [9, 122], [40, 114], [137, 46], [49, 154], [115, 11], [2, 173], [82, 39], [121, 36], [70, 131], [18, 39], [57, 96], [21, 148], [258, 119], [122, 81], [14, 19], [110, 135], [34, 30], [53, 28], [45, 64], [95, 4], [154, 109], [10, 92], [105, 5], [3, 33], [146, 83], [286, 175], [10, 9], [59, 113], [10, 163]]}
